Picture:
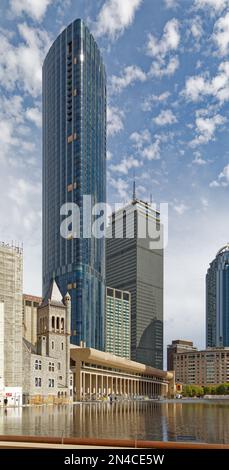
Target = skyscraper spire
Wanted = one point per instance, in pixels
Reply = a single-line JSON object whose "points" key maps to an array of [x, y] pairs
{"points": [[134, 191]]}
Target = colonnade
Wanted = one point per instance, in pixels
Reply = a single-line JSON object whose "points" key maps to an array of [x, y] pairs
{"points": [[97, 385]]}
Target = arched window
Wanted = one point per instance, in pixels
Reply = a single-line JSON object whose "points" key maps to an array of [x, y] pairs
{"points": [[57, 323], [62, 324], [41, 325], [53, 323]]}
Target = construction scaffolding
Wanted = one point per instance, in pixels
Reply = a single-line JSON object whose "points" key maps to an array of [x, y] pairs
{"points": [[11, 286]]}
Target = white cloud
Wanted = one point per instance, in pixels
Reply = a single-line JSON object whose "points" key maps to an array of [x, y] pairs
{"points": [[221, 34], [204, 202], [214, 184], [198, 160], [206, 128], [15, 138], [171, 3], [140, 138], [196, 28], [142, 142], [22, 190], [152, 151], [169, 42], [161, 49], [215, 5], [162, 69], [34, 115], [121, 187], [130, 75], [109, 155], [180, 208], [199, 86], [150, 100], [115, 16], [166, 117], [34, 8], [21, 65], [115, 118], [126, 164], [222, 179]]}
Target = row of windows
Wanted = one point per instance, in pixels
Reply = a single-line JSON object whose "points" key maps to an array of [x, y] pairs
{"points": [[38, 382], [57, 323], [51, 367], [53, 346]]}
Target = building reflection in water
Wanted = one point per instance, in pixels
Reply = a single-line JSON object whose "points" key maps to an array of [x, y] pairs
{"points": [[200, 422]]}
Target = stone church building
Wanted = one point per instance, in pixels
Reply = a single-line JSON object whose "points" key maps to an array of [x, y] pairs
{"points": [[47, 377]]}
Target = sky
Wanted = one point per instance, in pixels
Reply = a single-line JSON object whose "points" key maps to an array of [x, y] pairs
{"points": [[168, 92]]}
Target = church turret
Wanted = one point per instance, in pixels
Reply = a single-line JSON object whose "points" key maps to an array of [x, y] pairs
{"points": [[67, 303]]}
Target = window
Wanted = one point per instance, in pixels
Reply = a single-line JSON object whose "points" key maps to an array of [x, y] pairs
{"points": [[51, 383], [52, 344], [53, 323], [118, 294], [36, 364], [37, 381], [126, 296], [39, 365], [59, 365], [58, 323], [51, 366], [110, 292], [60, 377], [62, 324], [62, 346], [69, 48]]}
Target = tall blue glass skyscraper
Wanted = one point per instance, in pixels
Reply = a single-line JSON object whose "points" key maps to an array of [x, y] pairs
{"points": [[217, 300], [74, 165]]}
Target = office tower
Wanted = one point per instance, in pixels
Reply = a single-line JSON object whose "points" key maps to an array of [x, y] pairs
{"points": [[217, 304], [178, 346], [134, 266], [30, 305], [205, 367], [11, 278], [74, 165], [117, 322]]}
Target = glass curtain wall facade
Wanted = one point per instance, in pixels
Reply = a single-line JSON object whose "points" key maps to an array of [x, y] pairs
{"points": [[74, 165], [217, 300]]}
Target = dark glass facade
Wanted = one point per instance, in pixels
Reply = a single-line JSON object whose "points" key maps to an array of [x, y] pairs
{"points": [[74, 165], [217, 300]]}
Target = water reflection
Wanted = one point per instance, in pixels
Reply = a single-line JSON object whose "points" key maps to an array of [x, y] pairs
{"points": [[201, 422]]}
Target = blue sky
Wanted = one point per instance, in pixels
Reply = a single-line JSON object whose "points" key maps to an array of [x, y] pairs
{"points": [[168, 80]]}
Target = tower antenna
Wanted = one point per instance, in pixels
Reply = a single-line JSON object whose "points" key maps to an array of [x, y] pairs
{"points": [[134, 189]]}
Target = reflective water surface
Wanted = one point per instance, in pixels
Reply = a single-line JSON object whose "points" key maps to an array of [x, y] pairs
{"points": [[174, 421]]}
